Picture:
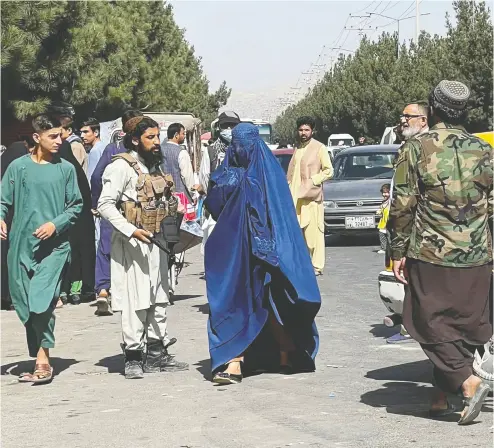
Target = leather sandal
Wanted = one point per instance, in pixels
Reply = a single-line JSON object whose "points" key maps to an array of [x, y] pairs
{"points": [[43, 373]]}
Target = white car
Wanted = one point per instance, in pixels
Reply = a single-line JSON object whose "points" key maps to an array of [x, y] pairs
{"points": [[392, 292]]}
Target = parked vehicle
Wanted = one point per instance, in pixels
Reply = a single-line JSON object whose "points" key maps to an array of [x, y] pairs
{"points": [[352, 197], [486, 136], [338, 142], [284, 156], [111, 131], [264, 127]]}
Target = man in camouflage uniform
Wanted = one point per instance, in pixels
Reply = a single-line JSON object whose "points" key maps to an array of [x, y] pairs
{"points": [[440, 228], [413, 121]]}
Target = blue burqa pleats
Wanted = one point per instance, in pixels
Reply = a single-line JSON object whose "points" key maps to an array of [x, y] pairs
{"points": [[256, 259]]}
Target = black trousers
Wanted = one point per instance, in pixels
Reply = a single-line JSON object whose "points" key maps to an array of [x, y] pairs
{"points": [[453, 363]]}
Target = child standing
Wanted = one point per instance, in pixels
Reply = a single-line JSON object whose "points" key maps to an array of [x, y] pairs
{"points": [[384, 213]]}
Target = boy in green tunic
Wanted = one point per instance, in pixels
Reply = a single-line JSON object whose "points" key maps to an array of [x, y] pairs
{"points": [[42, 191]]}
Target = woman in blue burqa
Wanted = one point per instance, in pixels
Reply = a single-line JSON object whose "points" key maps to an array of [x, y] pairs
{"points": [[262, 291]]}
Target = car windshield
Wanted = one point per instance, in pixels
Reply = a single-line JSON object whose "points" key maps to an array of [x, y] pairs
{"points": [[364, 166], [341, 142], [284, 160]]}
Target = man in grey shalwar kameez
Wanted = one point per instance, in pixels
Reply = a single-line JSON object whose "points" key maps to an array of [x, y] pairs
{"points": [[139, 269]]}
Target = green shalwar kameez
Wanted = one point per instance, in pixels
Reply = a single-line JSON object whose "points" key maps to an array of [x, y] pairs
{"points": [[38, 193]]}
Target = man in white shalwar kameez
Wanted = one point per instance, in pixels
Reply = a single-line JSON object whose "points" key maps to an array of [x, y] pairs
{"points": [[139, 269]]}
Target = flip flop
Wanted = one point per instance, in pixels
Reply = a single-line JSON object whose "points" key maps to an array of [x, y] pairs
{"points": [[473, 405], [438, 413]]}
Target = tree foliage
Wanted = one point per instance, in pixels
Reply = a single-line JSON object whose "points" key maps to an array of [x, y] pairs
{"points": [[102, 58], [366, 92]]}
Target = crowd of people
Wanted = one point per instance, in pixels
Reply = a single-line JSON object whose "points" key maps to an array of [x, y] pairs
{"points": [[263, 243]]}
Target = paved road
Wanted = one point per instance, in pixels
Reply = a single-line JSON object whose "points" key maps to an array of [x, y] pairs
{"points": [[364, 394]]}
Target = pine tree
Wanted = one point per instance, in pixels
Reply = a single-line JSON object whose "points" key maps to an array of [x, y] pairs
{"points": [[365, 93], [100, 57]]}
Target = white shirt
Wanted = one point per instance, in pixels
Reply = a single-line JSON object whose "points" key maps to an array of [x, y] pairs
{"points": [[185, 165]]}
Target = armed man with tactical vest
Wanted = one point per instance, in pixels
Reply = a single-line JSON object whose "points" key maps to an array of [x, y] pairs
{"points": [[309, 168], [136, 198]]}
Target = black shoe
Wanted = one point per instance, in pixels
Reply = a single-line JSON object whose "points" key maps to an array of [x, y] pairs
{"points": [[103, 307], [287, 369], [170, 364], [153, 356], [88, 297], [133, 364], [75, 299], [159, 360]]}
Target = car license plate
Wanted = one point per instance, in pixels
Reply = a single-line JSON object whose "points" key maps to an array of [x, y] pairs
{"points": [[359, 222]]}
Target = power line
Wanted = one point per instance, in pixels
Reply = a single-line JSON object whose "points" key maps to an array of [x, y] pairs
{"points": [[403, 14], [407, 11], [364, 8], [386, 8], [306, 77]]}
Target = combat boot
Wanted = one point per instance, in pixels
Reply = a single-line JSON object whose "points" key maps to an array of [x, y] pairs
{"points": [[170, 364], [159, 360], [133, 364], [154, 355]]}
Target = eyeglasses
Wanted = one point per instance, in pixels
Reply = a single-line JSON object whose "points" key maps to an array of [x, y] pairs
{"points": [[408, 117]]}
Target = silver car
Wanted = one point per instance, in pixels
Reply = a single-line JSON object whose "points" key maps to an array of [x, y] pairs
{"points": [[352, 197]]}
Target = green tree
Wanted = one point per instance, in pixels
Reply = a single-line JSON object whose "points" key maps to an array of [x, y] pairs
{"points": [[101, 57], [470, 48], [364, 93]]}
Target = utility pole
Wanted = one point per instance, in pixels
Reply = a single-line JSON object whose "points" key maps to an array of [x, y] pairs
{"points": [[398, 23], [360, 28]]}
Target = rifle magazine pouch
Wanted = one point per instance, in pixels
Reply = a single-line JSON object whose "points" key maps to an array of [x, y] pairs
{"points": [[160, 215], [170, 230], [159, 185], [130, 211], [148, 218]]}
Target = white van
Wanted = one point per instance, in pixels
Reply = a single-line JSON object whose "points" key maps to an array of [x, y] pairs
{"points": [[338, 142]]}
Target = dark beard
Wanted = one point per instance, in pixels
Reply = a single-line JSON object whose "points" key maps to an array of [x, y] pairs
{"points": [[151, 158]]}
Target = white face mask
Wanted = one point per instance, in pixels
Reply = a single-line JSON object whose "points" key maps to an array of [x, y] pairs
{"points": [[226, 134]]}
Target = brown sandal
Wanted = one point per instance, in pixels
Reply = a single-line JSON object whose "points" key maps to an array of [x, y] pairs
{"points": [[43, 373]]}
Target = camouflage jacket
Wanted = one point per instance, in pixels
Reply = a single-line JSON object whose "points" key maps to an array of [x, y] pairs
{"points": [[442, 199]]}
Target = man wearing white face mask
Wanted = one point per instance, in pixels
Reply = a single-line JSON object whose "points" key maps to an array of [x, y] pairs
{"points": [[211, 159], [226, 122], [215, 153]]}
